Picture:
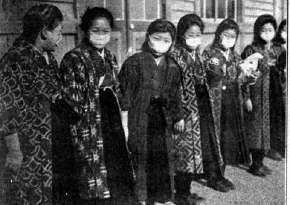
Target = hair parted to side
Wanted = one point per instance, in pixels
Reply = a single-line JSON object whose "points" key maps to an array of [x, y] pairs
{"points": [[159, 26], [93, 13], [279, 39], [259, 23], [39, 17], [184, 24], [225, 25]]}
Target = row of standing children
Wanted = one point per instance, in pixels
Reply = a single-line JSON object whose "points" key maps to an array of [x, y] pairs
{"points": [[143, 134]]}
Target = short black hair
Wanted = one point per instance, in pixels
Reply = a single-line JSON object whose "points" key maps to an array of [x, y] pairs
{"points": [[159, 25], [93, 13], [278, 38], [185, 23], [225, 25], [259, 23], [39, 17]]}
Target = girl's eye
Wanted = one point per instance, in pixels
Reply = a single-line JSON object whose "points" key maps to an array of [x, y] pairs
{"points": [[156, 38], [229, 35]]}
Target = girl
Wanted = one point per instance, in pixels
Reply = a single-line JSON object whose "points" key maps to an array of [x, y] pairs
{"points": [[150, 105], [88, 74], [257, 96], [223, 78], [188, 143], [277, 97], [28, 84]]}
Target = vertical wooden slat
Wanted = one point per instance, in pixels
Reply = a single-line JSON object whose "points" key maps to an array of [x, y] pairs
{"points": [[204, 8], [158, 9], [226, 8], [216, 10], [236, 9], [197, 8]]}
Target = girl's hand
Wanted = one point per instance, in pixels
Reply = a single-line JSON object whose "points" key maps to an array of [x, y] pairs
{"points": [[179, 126], [124, 118], [249, 105]]}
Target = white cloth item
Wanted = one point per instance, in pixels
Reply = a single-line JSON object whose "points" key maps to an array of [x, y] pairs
{"points": [[102, 54], [226, 54]]}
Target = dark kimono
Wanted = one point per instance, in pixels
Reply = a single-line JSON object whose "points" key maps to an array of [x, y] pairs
{"points": [[226, 99], [150, 94], [258, 121], [28, 85], [102, 163], [277, 103]]}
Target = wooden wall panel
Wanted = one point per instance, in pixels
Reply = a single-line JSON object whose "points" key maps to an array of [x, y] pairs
{"points": [[10, 22]]}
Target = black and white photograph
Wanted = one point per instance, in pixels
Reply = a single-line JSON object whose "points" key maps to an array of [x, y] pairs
{"points": [[144, 102]]}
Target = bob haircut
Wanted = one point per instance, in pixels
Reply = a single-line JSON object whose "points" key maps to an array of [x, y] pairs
{"points": [[225, 25], [259, 23], [279, 39], [39, 17], [162, 26], [184, 24], [93, 13]]}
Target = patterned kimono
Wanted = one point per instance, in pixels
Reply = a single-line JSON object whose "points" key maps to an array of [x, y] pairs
{"points": [[137, 86], [226, 99], [188, 144], [89, 86], [28, 84], [258, 121]]}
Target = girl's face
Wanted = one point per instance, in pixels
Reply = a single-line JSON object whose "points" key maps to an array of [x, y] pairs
{"points": [[228, 38], [284, 33], [160, 42], [193, 36], [267, 32], [53, 37], [99, 33]]}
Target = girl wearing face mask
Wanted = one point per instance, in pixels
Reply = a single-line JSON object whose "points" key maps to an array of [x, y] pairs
{"points": [[88, 72], [150, 104], [189, 148], [224, 78], [257, 96], [277, 95]]}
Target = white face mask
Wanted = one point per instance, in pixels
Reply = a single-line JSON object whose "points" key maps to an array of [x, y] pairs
{"points": [[99, 41], [228, 42], [268, 36], [193, 42], [284, 35], [159, 46]]}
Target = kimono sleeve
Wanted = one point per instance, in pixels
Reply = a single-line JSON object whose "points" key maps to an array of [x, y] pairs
{"points": [[175, 103], [73, 83], [10, 99], [213, 68], [128, 79]]}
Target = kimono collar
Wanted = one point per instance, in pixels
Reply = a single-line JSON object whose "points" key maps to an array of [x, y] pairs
{"points": [[22, 43], [87, 50], [227, 54]]}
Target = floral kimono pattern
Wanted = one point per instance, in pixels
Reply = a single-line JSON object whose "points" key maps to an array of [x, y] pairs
{"points": [[81, 78], [188, 144], [258, 121], [28, 85]]}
